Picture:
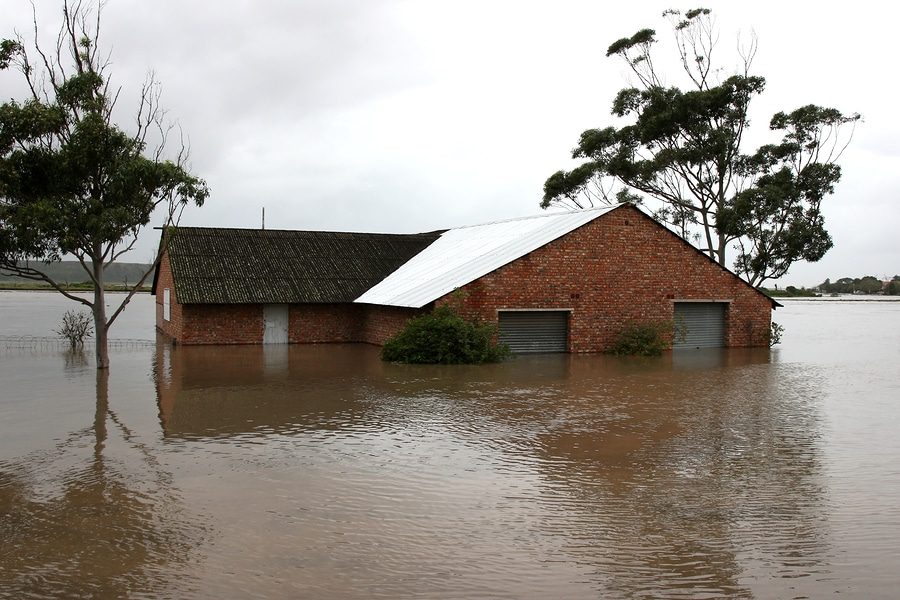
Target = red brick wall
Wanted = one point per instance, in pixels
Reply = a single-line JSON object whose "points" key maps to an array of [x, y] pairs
{"points": [[622, 266], [312, 323], [307, 323], [173, 327], [380, 323], [222, 324], [244, 323]]}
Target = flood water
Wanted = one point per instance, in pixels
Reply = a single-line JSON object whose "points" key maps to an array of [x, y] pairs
{"points": [[321, 472]]}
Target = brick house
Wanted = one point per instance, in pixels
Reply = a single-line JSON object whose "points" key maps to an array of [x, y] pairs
{"points": [[555, 282]]}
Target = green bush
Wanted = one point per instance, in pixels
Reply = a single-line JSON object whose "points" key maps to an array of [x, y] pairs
{"points": [[775, 332], [642, 339], [444, 337]]}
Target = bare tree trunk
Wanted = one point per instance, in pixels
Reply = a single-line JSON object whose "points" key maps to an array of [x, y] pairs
{"points": [[720, 252], [100, 412], [99, 309]]}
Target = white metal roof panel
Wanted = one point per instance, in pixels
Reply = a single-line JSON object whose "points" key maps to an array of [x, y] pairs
{"points": [[462, 255]]}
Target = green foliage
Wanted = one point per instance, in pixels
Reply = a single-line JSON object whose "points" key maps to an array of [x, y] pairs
{"points": [[71, 180], [647, 338], [75, 327], [869, 285], [857, 285], [78, 184], [775, 332], [683, 149], [790, 292], [641, 39], [444, 337], [8, 51]]}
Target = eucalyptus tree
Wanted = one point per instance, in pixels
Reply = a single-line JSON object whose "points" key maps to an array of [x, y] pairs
{"points": [[683, 151], [72, 181]]}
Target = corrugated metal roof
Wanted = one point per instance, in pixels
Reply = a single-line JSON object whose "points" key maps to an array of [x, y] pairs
{"points": [[239, 266], [460, 256]]}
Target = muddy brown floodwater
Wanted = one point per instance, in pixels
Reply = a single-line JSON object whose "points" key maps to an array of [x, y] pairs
{"points": [[321, 472]]}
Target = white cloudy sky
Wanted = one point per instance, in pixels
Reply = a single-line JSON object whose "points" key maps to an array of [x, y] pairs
{"points": [[407, 116]]}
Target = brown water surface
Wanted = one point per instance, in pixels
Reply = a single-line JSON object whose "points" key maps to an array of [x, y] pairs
{"points": [[322, 472]]}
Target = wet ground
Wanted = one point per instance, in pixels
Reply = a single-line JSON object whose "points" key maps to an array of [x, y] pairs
{"points": [[321, 472]]}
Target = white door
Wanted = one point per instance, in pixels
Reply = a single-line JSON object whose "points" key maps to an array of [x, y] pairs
{"points": [[276, 324]]}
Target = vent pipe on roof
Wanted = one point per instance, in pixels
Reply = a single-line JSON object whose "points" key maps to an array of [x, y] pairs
{"points": [[263, 217]]}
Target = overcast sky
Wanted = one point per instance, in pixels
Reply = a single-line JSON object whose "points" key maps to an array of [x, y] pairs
{"points": [[393, 116]]}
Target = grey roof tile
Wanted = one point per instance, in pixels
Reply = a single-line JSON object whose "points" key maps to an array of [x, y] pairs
{"points": [[255, 266]]}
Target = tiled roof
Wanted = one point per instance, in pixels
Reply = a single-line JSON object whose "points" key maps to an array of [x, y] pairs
{"points": [[249, 266]]}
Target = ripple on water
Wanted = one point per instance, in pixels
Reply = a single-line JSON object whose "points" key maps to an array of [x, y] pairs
{"points": [[327, 473]]}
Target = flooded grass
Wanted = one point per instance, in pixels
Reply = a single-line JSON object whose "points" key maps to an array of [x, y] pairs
{"points": [[322, 472]]}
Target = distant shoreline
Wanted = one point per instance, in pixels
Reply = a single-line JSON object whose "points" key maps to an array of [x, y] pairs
{"points": [[840, 298], [8, 286]]}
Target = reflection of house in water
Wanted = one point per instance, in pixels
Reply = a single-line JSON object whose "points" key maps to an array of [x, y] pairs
{"points": [[718, 358], [651, 475], [220, 391], [692, 476]]}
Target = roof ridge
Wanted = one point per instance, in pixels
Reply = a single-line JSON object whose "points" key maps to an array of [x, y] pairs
{"points": [[598, 209], [292, 231]]}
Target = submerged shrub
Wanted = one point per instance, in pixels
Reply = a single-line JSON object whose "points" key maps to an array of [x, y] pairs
{"points": [[647, 338], [75, 327], [444, 337]]}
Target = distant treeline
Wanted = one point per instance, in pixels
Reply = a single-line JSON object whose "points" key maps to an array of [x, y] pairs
{"points": [[791, 292], [844, 285], [862, 285], [71, 273]]}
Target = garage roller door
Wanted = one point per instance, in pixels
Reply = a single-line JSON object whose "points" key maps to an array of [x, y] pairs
{"points": [[699, 325], [534, 331]]}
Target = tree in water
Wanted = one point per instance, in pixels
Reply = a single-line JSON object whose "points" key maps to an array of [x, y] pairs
{"points": [[683, 149], [72, 182]]}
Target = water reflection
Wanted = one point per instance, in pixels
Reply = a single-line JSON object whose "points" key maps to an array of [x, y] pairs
{"points": [[693, 473], [321, 472], [695, 481], [75, 522], [76, 360], [222, 391]]}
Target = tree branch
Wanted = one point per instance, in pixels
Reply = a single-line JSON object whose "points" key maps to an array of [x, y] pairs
{"points": [[27, 272]]}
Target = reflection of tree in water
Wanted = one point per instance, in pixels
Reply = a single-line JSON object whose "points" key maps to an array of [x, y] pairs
{"points": [[695, 475], [692, 475], [75, 359], [90, 529], [700, 483]]}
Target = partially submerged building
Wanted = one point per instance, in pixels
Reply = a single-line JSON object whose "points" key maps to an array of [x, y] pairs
{"points": [[559, 282]]}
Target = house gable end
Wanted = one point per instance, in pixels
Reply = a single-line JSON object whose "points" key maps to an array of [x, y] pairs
{"points": [[696, 250]]}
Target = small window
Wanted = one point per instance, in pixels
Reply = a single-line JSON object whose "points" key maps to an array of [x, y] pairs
{"points": [[167, 305]]}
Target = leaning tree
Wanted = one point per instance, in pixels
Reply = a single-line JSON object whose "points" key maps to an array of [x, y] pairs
{"points": [[682, 150], [72, 181]]}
